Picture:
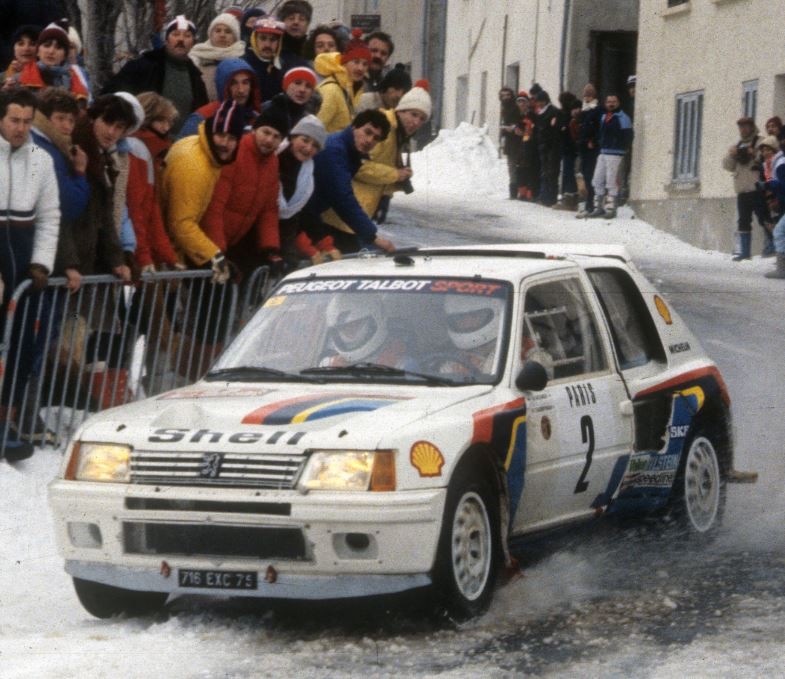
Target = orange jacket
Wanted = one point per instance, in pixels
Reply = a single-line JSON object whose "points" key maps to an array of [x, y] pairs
{"points": [[31, 77]]}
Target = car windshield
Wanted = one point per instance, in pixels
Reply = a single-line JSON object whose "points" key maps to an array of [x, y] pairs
{"points": [[434, 331]]}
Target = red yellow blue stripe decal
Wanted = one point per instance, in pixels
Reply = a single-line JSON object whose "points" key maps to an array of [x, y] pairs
{"points": [[310, 408]]}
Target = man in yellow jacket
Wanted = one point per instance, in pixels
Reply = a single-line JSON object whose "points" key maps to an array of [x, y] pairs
{"points": [[344, 80], [193, 166], [386, 172]]}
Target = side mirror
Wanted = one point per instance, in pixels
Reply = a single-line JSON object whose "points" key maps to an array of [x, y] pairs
{"points": [[532, 377]]}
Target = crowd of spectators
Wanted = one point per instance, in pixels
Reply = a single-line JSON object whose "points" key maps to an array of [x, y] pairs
{"points": [[571, 157], [263, 144]]}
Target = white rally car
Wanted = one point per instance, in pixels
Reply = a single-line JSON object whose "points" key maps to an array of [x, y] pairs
{"points": [[391, 422]]}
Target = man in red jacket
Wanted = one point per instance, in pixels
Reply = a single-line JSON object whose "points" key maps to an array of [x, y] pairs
{"points": [[242, 218]]}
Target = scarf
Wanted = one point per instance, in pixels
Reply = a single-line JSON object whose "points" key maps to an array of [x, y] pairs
{"points": [[302, 192], [62, 141], [205, 53], [589, 105], [56, 76]]}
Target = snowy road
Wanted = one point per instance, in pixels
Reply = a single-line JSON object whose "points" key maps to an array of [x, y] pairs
{"points": [[610, 602]]}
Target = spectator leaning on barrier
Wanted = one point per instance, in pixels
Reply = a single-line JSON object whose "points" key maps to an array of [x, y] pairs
{"points": [[335, 166], [234, 79], [242, 218], [615, 140], [263, 55], [342, 87], [30, 220], [386, 171], [743, 162], [166, 70], [223, 43], [193, 167], [159, 118], [97, 230], [53, 126]]}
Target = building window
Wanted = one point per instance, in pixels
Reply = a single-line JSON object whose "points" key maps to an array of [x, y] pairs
{"points": [[483, 97], [461, 99], [512, 77], [674, 3], [687, 144], [749, 98]]}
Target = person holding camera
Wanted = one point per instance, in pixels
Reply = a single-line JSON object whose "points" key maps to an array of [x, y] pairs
{"points": [[743, 161], [388, 169]]}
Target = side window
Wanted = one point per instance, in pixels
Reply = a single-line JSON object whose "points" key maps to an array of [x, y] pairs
{"points": [[634, 334], [560, 330]]}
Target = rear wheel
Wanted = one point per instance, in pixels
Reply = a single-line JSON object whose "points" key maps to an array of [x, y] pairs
{"points": [[698, 496], [467, 560], [105, 601]]}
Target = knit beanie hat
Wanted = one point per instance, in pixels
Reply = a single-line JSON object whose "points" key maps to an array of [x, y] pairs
{"points": [[356, 48], [58, 32], [26, 31], [771, 141], [397, 78], [138, 109], [268, 25], [273, 117], [776, 120], [310, 126], [76, 41], [228, 119], [295, 7], [236, 11], [298, 73], [523, 94], [417, 98], [179, 23], [228, 20]]}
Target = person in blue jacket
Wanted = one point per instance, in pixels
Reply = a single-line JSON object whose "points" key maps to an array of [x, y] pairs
{"points": [[774, 181], [615, 139], [334, 168]]}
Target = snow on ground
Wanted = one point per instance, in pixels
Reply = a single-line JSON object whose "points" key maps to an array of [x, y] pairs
{"points": [[460, 183]]}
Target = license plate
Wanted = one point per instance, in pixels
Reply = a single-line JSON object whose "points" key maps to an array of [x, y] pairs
{"points": [[205, 579]]}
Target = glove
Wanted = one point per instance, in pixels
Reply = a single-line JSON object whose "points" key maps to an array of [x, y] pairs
{"points": [[220, 267], [39, 275], [381, 211]]}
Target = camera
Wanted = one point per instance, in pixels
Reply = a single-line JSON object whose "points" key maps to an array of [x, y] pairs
{"points": [[743, 153], [406, 186]]}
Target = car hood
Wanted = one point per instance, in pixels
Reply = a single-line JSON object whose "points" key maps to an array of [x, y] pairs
{"points": [[285, 418]]}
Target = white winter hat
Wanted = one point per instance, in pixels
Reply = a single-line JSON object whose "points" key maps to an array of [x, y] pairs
{"points": [[138, 111], [228, 20], [310, 126], [417, 98], [76, 41]]}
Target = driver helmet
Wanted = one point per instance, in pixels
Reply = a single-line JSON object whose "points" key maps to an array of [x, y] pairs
{"points": [[472, 321], [357, 326]]}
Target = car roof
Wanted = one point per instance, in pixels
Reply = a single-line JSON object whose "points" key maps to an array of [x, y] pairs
{"points": [[505, 261]]}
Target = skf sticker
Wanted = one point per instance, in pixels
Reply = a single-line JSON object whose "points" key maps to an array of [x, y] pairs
{"points": [[427, 459], [659, 302]]}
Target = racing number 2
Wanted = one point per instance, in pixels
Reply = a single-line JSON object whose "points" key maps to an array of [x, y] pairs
{"points": [[587, 436]]}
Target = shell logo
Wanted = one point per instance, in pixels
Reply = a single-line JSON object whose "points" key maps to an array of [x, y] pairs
{"points": [[663, 309], [427, 459]]}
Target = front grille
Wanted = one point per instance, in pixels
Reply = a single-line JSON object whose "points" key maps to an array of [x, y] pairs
{"points": [[239, 470], [213, 540], [160, 505]]}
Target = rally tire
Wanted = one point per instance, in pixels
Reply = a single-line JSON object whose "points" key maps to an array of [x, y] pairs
{"points": [[106, 601], [468, 553], [698, 496]]}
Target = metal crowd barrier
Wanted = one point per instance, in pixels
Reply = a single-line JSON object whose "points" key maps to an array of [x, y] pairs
{"points": [[66, 356]]}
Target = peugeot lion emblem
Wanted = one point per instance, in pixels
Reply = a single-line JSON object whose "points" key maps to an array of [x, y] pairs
{"points": [[211, 465]]}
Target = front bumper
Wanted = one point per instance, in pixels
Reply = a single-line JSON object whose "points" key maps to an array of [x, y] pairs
{"points": [[317, 546]]}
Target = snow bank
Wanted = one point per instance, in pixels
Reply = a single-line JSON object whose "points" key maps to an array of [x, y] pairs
{"points": [[460, 162]]}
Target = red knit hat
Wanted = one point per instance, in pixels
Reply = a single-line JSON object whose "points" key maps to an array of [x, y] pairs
{"points": [[56, 31], [298, 73], [355, 48]]}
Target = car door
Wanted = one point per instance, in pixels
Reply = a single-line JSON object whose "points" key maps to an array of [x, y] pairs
{"points": [[579, 428]]}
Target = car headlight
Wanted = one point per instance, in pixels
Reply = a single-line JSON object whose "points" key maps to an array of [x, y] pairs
{"points": [[99, 462], [349, 470]]}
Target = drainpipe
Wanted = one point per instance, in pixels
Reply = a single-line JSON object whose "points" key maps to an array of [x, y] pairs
{"points": [[565, 28]]}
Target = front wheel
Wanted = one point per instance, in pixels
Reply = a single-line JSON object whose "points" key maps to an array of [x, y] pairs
{"points": [[467, 560], [698, 496], [105, 601]]}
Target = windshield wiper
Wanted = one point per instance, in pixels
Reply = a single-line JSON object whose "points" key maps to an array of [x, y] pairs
{"points": [[250, 373], [379, 369]]}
